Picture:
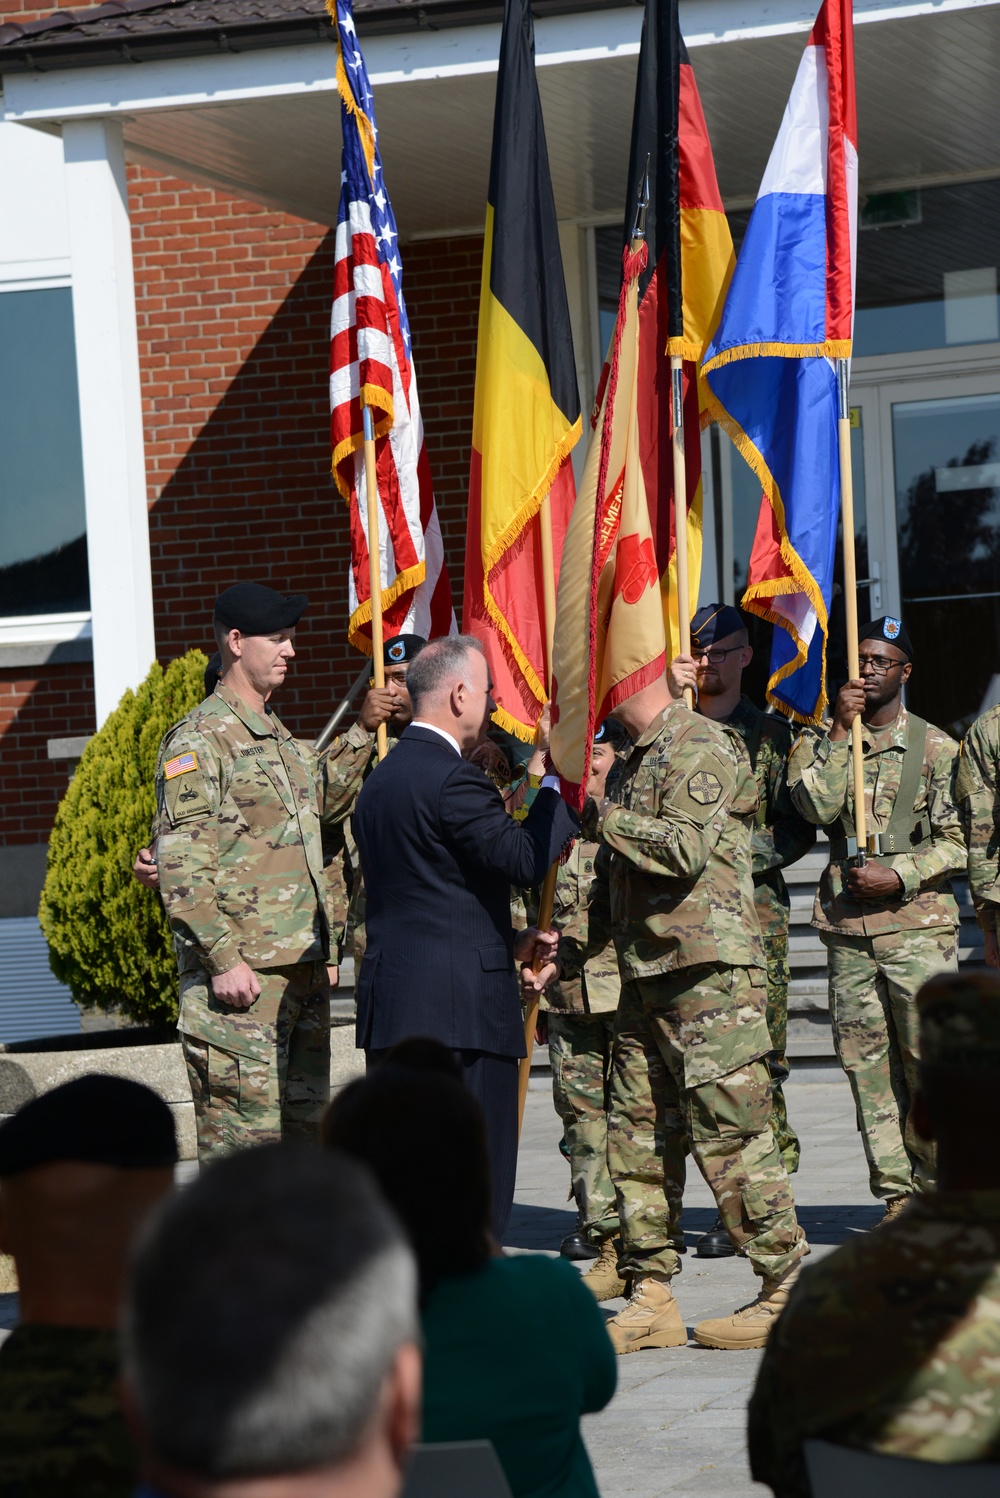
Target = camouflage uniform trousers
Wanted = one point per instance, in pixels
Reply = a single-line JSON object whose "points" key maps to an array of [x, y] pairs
{"points": [[663, 1032], [580, 1057], [259, 1074], [873, 984], [776, 955]]}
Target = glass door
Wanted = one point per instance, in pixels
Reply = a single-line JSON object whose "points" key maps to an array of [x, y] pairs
{"points": [[945, 485]]}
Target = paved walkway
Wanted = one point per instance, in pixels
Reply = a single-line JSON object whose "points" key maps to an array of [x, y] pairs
{"points": [[676, 1425]]}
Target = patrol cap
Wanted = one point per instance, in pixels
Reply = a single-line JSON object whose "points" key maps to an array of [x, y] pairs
{"points": [[892, 631], [960, 1020], [714, 622], [402, 649], [213, 672], [255, 610], [95, 1119], [612, 732]]}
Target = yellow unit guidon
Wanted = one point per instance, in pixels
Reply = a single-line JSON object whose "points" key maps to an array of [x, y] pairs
{"points": [[182, 765]]}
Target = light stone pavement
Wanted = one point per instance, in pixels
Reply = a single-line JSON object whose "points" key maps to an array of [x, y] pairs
{"points": [[676, 1424]]}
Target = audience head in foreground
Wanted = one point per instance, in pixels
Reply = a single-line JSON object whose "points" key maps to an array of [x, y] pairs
{"points": [[271, 1333], [80, 1168], [891, 1343], [416, 1096]]}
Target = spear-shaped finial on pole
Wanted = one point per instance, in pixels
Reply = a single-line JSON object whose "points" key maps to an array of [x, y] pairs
{"points": [[642, 203]]}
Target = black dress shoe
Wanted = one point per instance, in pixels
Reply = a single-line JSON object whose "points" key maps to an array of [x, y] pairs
{"points": [[716, 1243], [575, 1246]]}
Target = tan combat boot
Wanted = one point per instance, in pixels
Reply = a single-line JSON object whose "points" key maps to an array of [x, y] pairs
{"points": [[893, 1207], [651, 1318], [751, 1325], [602, 1277]]}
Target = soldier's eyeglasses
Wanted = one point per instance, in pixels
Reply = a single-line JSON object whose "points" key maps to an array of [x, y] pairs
{"points": [[880, 664], [714, 657]]}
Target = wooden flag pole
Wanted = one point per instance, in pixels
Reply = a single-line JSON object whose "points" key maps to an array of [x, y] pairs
{"points": [[374, 566], [681, 512], [548, 892], [851, 597]]}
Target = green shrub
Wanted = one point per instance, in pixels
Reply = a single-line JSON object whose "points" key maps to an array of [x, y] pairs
{"points": [[108, 937]]}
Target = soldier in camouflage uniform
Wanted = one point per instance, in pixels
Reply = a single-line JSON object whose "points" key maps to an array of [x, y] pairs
{"points": [[578, 1015], [690, 1044], [240, 804], [81, 1167], [977, 788], [890, 925], [721, 650], [891, 1343]]}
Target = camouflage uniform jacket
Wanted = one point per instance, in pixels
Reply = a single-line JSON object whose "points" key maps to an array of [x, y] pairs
{"points": [[594, 984], [780, 835], [61, 1427], [977, 785], [889, 1344], [819, 777], [674, 879], [239, 806]]}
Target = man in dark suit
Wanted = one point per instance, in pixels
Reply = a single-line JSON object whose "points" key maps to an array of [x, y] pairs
{"points": [[439, 855]]}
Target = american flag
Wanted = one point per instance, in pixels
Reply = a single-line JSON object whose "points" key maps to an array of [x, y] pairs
{"points": [[370, 354]]}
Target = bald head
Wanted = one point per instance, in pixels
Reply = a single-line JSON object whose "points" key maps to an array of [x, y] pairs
{"points": [[449, 685]]}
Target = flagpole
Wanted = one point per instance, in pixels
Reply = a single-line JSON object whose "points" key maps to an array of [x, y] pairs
{"points": [[851, 596], [374, 565], [681, 513], [547, 896]]}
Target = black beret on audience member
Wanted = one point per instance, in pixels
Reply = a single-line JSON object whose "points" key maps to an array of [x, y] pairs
{"points": [[892, 631], [255, 610], [715, 622], [402, 649], [95, 1120]]}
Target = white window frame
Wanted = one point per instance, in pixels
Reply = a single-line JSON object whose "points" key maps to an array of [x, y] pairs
{"points": [[40, 629]]}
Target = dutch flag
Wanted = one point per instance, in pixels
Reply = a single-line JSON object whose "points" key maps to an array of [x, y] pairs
{"points": [[771, 370]]}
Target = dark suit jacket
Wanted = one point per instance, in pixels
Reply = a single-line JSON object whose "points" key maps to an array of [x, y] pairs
{"points": [[439, 854]]}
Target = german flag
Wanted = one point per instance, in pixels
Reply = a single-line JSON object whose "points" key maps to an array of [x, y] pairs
{"points": [[683, 287], [527, 408], [617, 622]]}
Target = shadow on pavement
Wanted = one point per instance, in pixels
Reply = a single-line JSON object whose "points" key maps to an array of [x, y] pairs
{"points": [[545, 1227]]}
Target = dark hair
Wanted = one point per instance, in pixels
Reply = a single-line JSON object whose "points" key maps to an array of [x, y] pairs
{"points": [[421, 1053], [423, 1137], [267, 1304]]}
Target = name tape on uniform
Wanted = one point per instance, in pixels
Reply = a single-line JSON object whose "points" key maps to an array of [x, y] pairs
{"points": [[182, 765]]}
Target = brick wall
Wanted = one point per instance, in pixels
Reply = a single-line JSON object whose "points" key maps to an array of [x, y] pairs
{"points": [[50, 702], [233, 309]]}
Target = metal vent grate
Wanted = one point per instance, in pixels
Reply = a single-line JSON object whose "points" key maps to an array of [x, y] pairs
{"points": [[33, 1002]]}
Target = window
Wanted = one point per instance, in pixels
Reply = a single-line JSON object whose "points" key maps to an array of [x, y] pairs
{"points": [[43, 533]]}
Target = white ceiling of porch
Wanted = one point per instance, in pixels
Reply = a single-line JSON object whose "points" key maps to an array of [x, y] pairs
{"points": [[929, 106]]}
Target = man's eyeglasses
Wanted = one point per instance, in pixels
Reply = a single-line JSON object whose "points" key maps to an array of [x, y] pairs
{"points": [[715, 656], [880, 664]]}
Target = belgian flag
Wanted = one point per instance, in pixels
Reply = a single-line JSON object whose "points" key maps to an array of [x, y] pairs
{"points": [[527, 407]]}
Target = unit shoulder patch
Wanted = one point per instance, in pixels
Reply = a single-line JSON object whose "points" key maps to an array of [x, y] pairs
{"points": [[704, 788], [182, 764]]}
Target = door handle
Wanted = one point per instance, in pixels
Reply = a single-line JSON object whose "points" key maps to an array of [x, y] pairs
{"points": [[874, 586]]}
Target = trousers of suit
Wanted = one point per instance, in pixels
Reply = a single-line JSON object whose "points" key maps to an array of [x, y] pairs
{"points": [[492, 1080]]}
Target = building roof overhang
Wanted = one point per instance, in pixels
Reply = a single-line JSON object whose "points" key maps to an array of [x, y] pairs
{"points": [[262, 120]]}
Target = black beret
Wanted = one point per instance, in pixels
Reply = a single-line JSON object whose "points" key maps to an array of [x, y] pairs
{"points": [[255, 610], [715, 622], [97, 1119], [612, 732], [892, 631], [213, 671], [401, 649]]}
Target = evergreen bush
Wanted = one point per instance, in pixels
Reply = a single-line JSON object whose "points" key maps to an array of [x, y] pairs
{"points": [[108, 937]]}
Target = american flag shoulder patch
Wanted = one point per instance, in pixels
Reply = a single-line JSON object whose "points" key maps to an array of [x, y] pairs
{"points": [[182, 765]]}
